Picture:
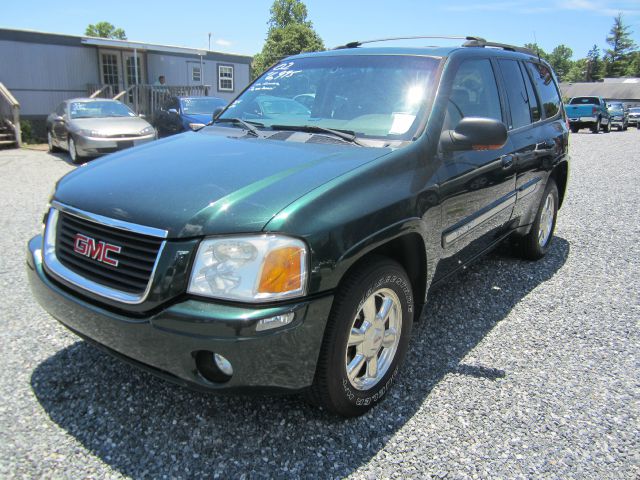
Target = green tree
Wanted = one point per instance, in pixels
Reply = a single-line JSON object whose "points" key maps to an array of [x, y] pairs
{"points": [[633, 66], [578, 71], [289, 33], [537, 50], [617, 57], [560, 60], [105, 30], [595, 65]]}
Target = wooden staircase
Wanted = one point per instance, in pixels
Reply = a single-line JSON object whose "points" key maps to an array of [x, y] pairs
{"points": [[10, 135], [7, 135]]}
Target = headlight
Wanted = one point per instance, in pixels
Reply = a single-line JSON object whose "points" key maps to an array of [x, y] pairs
{"points": [[196, 126], [147, 131], [250, 269], [90, 133]]}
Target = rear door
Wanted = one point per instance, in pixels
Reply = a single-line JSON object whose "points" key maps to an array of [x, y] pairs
{"points": [[478, 187]]}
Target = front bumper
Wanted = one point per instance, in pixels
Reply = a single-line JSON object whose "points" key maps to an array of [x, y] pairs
{"points": [[94, 146], [166, 342]]}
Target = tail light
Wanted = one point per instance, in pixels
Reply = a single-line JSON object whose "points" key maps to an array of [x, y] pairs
{"points": [[594, 110]]}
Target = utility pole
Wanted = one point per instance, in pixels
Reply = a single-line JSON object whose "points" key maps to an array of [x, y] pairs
{"points": [[209, 41]]}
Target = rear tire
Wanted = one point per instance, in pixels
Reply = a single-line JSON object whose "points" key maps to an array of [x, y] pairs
{"points": [[574, 129], [52, 147], [596, 127], [365, 340], [607, 128], [536, 243]]}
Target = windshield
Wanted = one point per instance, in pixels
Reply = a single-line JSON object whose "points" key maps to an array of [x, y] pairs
{"points": [[196, 106], [635, 109], [584, 101], [616, 107], [381, 96], [99, 109]]}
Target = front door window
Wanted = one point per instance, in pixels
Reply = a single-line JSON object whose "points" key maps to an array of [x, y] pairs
{"points": [[110, 71]]}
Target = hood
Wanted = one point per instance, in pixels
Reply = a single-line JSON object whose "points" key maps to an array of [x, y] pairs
{"points": [[203, 118], [204, 183], [111, 125]]}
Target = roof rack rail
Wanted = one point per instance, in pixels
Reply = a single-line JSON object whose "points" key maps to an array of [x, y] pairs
{"points": [[481, 42], [450, 37]]}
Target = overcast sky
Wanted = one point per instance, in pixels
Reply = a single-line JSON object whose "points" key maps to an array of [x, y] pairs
{"points": [[240, 26]]}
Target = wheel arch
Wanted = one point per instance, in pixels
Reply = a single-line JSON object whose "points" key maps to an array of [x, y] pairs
{"points": [[560, 174], [408, 249]]}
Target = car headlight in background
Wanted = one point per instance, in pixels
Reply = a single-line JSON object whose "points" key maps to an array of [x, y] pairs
{"points": [[250, 268], [90, 133], [147, 131], [196, 126]]}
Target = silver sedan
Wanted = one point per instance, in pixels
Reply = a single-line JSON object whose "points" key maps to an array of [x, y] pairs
{"points": [[90, 127]]}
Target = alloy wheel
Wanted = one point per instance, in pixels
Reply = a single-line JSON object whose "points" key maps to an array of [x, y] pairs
{"points": [[546, 220], [374, 338]]}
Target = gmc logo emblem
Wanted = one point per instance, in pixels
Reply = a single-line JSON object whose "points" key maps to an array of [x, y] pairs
{"points": [[99, 251]]}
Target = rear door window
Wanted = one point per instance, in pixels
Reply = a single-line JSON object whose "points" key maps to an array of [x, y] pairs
{"points": [[517, 95], [546, 87]]}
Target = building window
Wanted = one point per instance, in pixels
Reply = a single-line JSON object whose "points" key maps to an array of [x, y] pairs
{"points": [[110, 69], [196, 74], [225, 78]]}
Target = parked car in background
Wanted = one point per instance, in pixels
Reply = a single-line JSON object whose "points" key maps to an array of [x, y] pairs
{"points": [[295, 252], [180, 114], [90, 127], [588, 112], [619, 115], [634, 116]]}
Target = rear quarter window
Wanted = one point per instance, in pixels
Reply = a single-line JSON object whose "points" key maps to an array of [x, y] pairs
{"points": [[546, 87]]}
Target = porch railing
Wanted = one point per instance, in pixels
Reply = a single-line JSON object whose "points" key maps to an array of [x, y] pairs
{"points": [[146, 99], [10, 113]]}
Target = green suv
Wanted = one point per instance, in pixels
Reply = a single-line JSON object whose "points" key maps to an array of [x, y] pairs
{"points": [[290, 246]]}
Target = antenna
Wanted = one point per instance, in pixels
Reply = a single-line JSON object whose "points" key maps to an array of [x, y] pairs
{"points": [[535, 42]]}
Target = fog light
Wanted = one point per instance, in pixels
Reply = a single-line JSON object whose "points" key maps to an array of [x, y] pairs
{"points": [[275, 322], [223, 364], [213, 366]]}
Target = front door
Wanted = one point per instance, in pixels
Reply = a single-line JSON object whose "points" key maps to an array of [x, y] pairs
{"points": [[478, 186], [111, 69], [134, 73]]}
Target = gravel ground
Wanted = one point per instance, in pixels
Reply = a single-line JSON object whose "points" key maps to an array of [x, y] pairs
{"points": [[519, 370]]}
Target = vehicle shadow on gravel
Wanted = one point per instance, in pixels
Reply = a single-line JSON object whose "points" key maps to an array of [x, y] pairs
{"points": [[144, 427]]}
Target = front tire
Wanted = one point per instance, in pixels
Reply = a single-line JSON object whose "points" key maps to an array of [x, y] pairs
{"points": [[73, 151], [536, 243], [607, 128], [365, 340]]}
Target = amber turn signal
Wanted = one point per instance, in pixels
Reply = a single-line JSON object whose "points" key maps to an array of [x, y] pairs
{"points": [[282, 271]]}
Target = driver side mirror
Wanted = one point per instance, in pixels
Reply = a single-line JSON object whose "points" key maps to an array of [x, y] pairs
{"points": [[173, 111], [216, 112], [475, 133]]}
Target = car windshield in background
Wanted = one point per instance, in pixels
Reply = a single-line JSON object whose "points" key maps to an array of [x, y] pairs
{"points": [[99, 110], [196, 106], [372, 96], [635, 109], [584, 101]]}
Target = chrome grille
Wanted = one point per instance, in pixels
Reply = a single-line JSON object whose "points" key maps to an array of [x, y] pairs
{"points": [[135, 260]]}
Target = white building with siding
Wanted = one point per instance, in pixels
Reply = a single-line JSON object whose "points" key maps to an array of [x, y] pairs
{"points": [[42, 69]]}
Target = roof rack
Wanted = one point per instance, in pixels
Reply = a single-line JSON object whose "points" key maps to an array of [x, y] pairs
{"points": [[481, 42], [471, 41], [358, 43]]}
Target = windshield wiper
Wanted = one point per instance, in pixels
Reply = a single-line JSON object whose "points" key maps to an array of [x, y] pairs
{"points": [[346, 135], [238, 121]]}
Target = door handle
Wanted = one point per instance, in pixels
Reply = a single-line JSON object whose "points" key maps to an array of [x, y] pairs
{"points": [[507, 161]]}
